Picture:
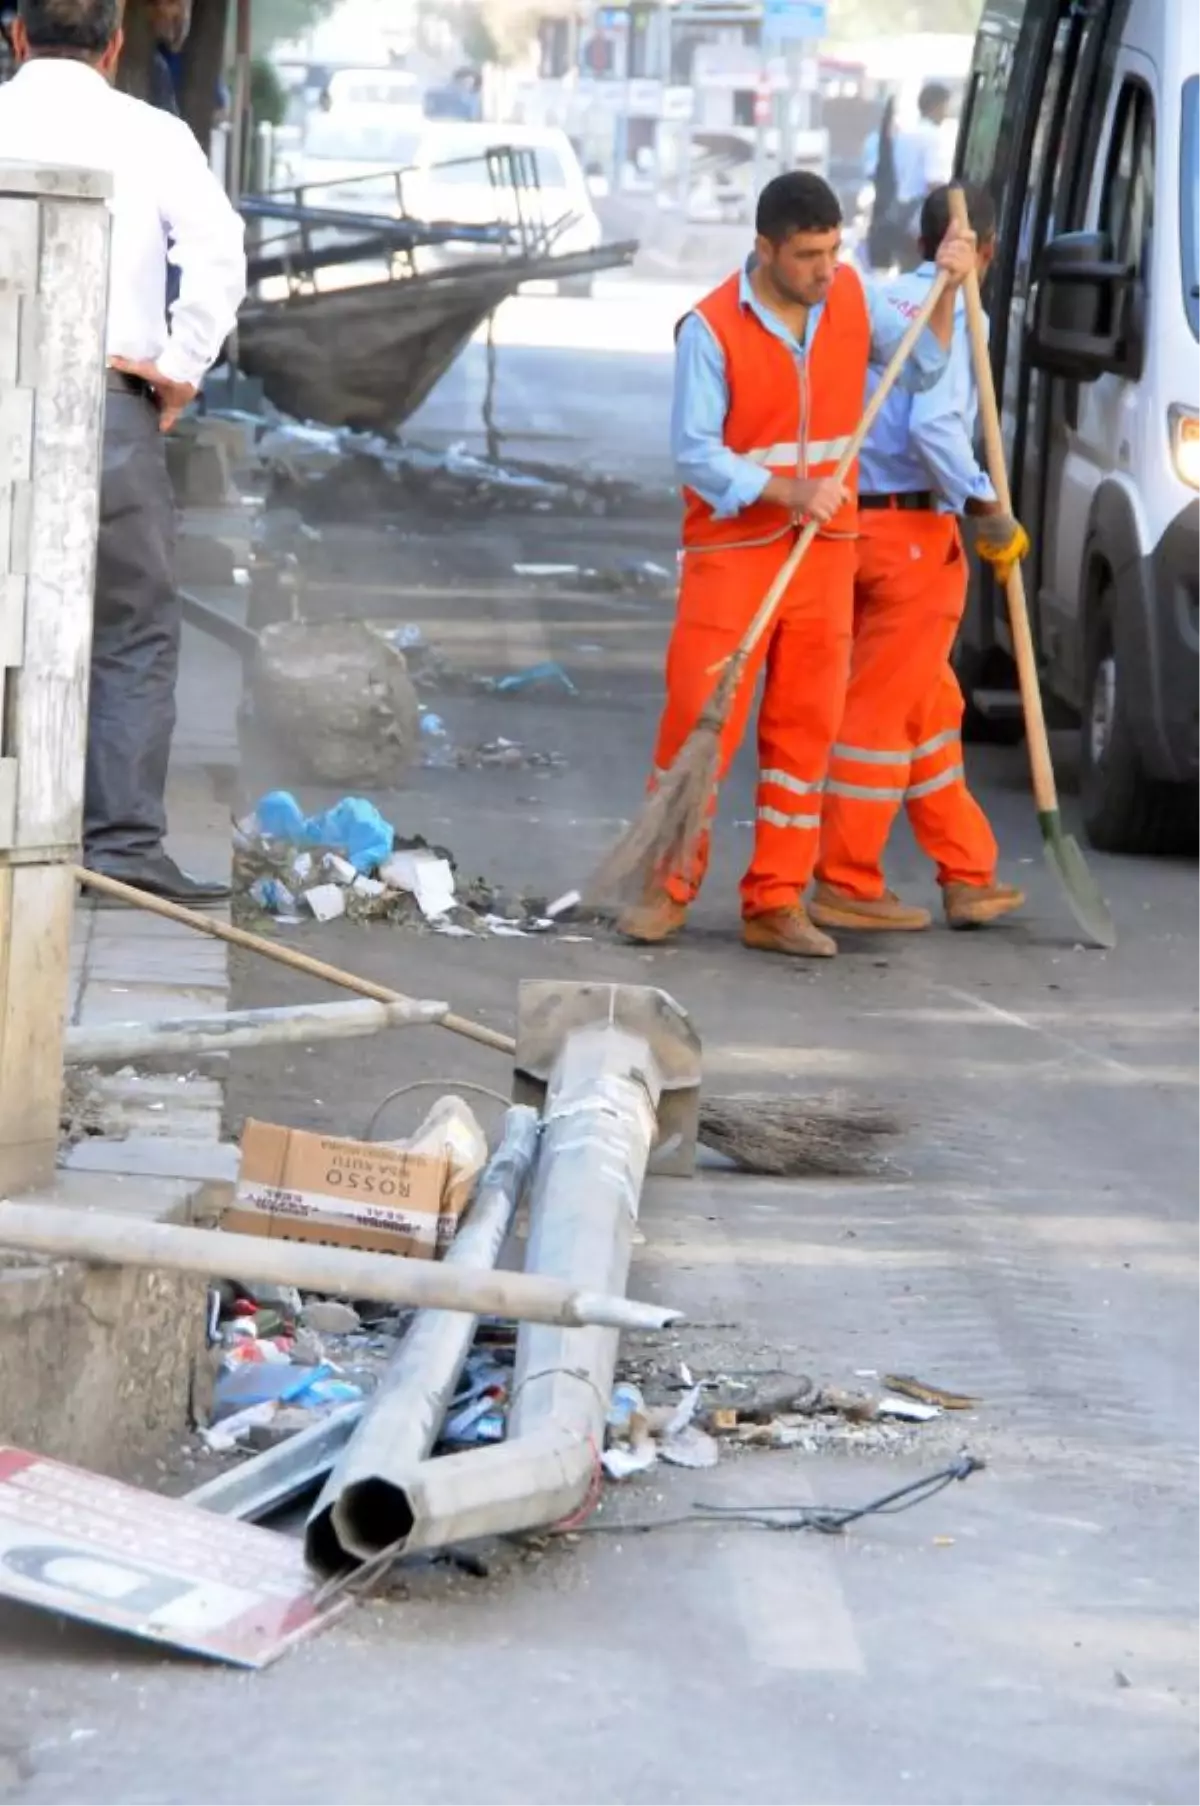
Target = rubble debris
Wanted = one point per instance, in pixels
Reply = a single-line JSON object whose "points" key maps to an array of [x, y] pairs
{"points": [[908, 1387], [348, 861], [330, 1317], [327, 901], [424, 876], [338, 695], [534, 677]]}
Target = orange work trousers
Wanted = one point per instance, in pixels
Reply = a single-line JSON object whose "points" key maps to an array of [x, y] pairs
{"points": [[900, 738], [805, 662]]}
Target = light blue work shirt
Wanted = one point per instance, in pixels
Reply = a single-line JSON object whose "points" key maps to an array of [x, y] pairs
{"points": [[703, 461], [927, 441]]}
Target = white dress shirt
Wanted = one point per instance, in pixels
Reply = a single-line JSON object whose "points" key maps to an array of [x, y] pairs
{"points": [[166, 203], [921, 159]]}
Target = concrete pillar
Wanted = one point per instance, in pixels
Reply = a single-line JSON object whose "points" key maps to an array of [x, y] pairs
{"points": [[54, 230]]}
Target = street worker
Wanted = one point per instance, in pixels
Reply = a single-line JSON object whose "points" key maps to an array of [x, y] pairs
{"points": [[900, 738], [770, 373], [168, 209]]}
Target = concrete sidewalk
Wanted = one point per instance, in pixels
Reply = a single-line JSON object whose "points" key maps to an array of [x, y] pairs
{"points": [[98, 1365]]}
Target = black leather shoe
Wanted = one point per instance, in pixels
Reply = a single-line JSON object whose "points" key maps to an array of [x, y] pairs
{"points": [[159, 876]]}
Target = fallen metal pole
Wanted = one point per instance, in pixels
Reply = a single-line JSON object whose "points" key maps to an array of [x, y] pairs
{"points": [[92, 1235], [267, 1482], [243, 1028], [357, 1511], [598, 1129]]}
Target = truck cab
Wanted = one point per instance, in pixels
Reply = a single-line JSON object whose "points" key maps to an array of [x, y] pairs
{"points": [[1082, 119]]}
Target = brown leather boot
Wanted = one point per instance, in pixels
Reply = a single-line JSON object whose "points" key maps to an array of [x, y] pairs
{"points": [[974, 905], [655, 920], [787, 931], [833, 908]]}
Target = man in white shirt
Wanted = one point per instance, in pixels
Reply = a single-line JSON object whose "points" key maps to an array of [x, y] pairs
{"points": [[921, 162], [60, 108]]}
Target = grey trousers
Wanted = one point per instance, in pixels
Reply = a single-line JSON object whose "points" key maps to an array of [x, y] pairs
{"points": [[135, 641]]}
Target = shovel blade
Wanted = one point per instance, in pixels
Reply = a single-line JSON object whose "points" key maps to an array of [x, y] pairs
{"points": [[1066, 861]]}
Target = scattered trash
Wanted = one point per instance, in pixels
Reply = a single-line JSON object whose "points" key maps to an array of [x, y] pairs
{"points": [[274, 896], [330, 1317], [327, 901], [533, 677], [436, 748], [354, 825], [427, 878], [908, 1387], [911, 1409]]}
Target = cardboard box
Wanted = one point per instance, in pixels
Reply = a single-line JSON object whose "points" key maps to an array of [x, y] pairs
{"points": [[350, 1194]]}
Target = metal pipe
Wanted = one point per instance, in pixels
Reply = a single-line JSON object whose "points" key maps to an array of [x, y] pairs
{"points": [[92, 1235], [362, 1505], [598, 1129], [266, 1483], [243, 1028]]}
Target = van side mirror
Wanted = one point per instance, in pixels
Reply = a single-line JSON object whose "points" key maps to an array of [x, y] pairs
{"points": [[1088, 312]]}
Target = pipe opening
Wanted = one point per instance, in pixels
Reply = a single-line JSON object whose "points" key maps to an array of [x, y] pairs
{"points": [[373, 1515]]}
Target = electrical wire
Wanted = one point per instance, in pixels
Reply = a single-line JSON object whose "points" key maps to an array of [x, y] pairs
{"points": [[497, 1097], [830, 1520]]}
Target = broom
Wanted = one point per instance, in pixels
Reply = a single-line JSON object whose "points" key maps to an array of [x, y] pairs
{"points": [[665, 836]]}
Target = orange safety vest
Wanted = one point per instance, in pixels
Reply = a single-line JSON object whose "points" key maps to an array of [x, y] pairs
{"points": [[794, 414]]}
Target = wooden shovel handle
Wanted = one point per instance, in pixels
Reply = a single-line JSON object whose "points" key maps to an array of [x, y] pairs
{"points": [[283, 956], [887, 382], [1044, 789]]}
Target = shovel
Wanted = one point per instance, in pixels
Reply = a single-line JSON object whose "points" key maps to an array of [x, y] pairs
{"points": [[1062, 851]]}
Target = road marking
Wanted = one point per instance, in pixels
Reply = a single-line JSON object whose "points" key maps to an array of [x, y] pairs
{"points": [[784, 1586], [1014, 1020]]}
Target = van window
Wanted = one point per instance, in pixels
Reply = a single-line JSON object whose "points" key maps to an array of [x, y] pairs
{"points": [[1189, 202], [1127, 202], [983, 109]]}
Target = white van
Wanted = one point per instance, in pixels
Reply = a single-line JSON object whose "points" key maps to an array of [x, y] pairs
{"points": [[1083, 121]]}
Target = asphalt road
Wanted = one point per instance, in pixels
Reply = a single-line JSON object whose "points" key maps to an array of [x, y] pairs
{"points": [[1029, 1636]]}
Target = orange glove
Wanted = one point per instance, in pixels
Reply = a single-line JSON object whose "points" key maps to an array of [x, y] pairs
{"points": [[1002, 542]]}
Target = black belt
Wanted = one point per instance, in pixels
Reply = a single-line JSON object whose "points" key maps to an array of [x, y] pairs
{"points": [[121, 384], [909, 501]]}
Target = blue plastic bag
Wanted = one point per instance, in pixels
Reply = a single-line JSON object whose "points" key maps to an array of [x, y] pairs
{"points": [[354, 825]]}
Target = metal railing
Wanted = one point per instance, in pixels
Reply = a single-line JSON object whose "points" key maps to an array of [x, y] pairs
{"points": [[379, 215]]}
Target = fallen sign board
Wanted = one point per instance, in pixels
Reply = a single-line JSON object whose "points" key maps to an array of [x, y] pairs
{"points": [[94, 1549]]}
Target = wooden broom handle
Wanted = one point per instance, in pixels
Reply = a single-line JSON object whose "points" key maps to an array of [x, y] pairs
{"points": [[1044, 789], [284, 956], [887, 383]]}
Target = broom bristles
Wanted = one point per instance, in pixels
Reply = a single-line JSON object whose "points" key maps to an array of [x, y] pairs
{"points": [[797, 1137], [664, 838]]}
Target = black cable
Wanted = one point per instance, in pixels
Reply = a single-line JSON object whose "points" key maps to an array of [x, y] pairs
{"points": [[828, 1519]]}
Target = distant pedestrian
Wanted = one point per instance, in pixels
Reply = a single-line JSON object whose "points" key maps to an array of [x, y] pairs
{"points": [[922, 163], [60, 108]]}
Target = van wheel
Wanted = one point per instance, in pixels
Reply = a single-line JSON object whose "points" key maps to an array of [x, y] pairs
{"points": [[1124, 811]]}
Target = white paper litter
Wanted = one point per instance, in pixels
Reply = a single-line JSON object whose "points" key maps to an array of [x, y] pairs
{"points": [[226, 1435], [504, 930], [620, 1462], [892, 1405], [327, 901], [426, 877], [690, 1447], [339, 869], [367, 887]]}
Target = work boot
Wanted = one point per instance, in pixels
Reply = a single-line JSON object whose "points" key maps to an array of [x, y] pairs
{"points": [[838, 909], [973, 905], [655, 920], [787, 931]]}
